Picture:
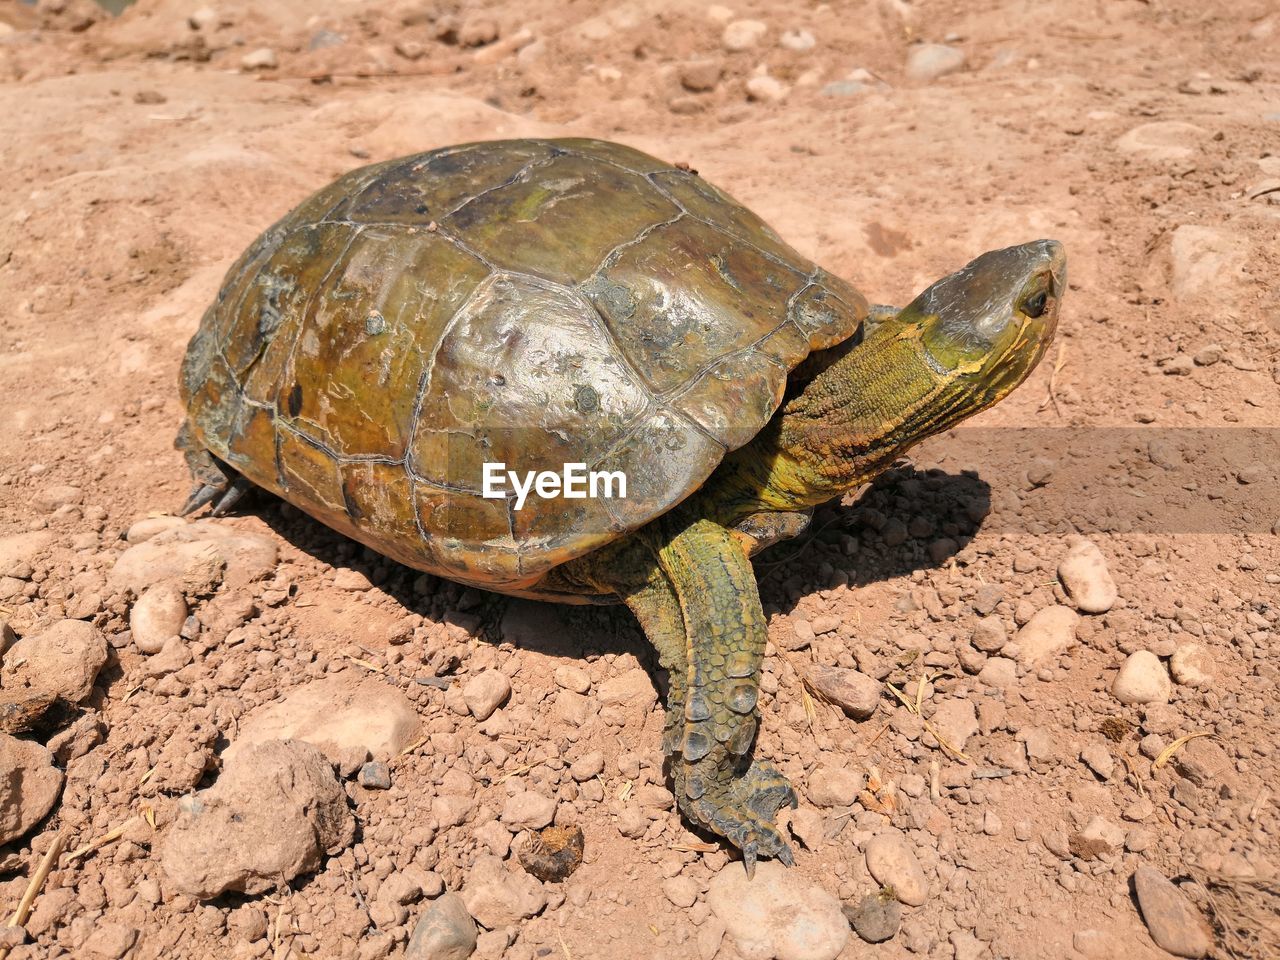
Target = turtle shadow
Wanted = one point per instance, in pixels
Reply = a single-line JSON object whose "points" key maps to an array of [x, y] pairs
{"points": [[905, 520]]}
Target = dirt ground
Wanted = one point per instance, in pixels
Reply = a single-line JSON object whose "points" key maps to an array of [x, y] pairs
{"points": [[145, 152]]}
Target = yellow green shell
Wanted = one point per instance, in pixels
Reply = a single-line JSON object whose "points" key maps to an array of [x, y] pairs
{"points": [[532, 302]]}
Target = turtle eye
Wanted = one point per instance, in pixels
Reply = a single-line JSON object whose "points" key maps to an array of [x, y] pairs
{"points": [[1034, 305]]}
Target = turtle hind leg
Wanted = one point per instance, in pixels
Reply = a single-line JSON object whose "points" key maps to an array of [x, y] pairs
{"points": [[212, 480]]}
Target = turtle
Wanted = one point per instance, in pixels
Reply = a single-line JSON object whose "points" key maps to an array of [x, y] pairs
{"points": [[558, 304]]}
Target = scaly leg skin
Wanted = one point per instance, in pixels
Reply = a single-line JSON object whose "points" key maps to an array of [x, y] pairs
{"points": [[211, 478], [655, 605], [760, 531], [719, 786]]}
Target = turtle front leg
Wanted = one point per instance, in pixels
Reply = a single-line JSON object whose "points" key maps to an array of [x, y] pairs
{"points": [[211, 478], [718, 786]]}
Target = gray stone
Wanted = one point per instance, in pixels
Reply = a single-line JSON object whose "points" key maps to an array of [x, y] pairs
{"points": [[445, 931], [875, 919], [375, 775]]}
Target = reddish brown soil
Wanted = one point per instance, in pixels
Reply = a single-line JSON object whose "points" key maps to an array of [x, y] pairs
{"points": [[141, 159]]}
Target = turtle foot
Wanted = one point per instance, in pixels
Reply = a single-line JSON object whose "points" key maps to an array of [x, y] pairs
{"points": [[213, 479], [744, 810]]}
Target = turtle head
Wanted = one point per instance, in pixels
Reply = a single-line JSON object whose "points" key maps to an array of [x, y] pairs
{"points": [[985, 327], [956, 349]]}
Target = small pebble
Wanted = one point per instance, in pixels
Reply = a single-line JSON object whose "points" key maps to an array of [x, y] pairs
{"points": [[1049, 632], [485, 692], [1192, 665], [797, 40], [1086, 579], [681, 891], [264, 58], [876, 918], [1142, 679], [742, 35], [156, 616], [375, 775], [767, 89], [929, 61]]}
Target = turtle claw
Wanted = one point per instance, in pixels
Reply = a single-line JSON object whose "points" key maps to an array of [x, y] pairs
{"points": [[202, 493], [743, 813], [231, 496], [749, 860]]}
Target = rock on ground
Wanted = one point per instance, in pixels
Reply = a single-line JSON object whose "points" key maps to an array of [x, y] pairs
{"points": [[855, 693], [485, 692], [776, 915], [1049, 632], [274, 813], [1142, 679], [1085, 577], [957, 720], [1175, 924], [1192, 665], [893, 863], [444, 932], [1206, 261], [29, 786], [834, 786], [1162, 140], [62, 660], [631, 689], [337, 714], [157, 616], [929, 61], [528, 810], [196, 555], [498, 897], [875, 919]]}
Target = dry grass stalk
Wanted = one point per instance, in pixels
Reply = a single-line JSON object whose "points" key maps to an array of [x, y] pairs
{"points": [[109, 837], [1058, 364], [415, 745], [521, 769], [34, 886], [365, 663], [1167, 753], [915, 708]]}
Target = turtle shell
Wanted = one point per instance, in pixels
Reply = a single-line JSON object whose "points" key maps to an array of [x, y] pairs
{"points": [[526, 302]]}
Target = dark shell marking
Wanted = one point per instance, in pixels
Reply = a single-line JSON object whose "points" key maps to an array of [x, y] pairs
{"points": [[526, 301]]}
